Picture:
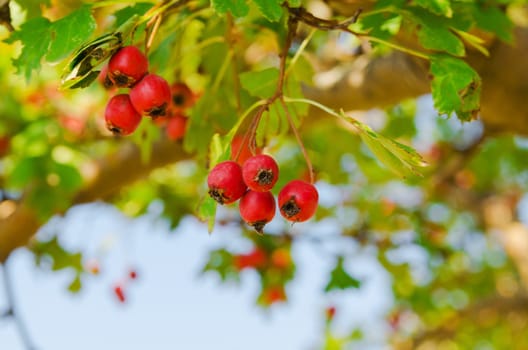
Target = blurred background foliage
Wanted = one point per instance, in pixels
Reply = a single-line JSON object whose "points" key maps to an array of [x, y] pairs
{"points": [[453, 241]]}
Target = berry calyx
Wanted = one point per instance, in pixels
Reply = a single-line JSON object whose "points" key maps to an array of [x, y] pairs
{"points": [[257, 209], [298, 201], [260, 173], [127, 66], [225, 182], [151, 96], [182, 97], [120, 116], [176, 127]]}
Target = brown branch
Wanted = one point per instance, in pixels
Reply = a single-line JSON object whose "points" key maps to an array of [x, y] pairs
{"points": [[447, 328], [112, 173]]}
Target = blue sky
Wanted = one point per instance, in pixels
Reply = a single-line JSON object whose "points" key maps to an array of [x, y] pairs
{"points": [[172, 306]]}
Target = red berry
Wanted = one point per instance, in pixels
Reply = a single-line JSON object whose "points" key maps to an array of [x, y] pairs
{"points": [[274, 294], [132, 274], [151, 96], [260, 173], [255, 259], [225, 182], [119, 293], [176, 127], [281, 259], [245, 152], [182, 97], [330, 313], [104, 79], [127, 66], [298, 200], [5, 143], [121, 117], [257, 209]]}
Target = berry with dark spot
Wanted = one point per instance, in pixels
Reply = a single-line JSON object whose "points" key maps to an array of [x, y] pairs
{"points": [[298, 201], [225, 182], [151, 96], [120, 116], [260, 173], [127, 66], [257, 209], [182, 97]]}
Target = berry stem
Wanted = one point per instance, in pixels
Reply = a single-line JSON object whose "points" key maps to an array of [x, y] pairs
{"points": [[299, 140]]}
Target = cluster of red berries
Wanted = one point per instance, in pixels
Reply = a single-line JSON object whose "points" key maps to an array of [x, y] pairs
{"points": [[252, 183], [149, 95]]}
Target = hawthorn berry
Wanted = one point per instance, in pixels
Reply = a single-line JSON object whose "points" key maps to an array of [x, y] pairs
{"points": [[119, 293], [121, 117], [281, 258], [176, 127], [182, 97], [260, 173], [225, 182], [298, 200], [132, 274], [104, 79], [257, 258], [241, 148], [257, 209], [273, 294], [151, 96], [127, 66]]}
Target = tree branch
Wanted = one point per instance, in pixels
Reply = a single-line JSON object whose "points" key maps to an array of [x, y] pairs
{"points": [[112, 173]]}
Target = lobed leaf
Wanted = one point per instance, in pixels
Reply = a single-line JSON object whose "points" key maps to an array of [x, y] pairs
{"points": [[455, 87]]}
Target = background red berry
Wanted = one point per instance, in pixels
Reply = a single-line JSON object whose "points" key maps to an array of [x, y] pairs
{"points": [[151, 96], [127, 66], [182, 97], [119, 293], [260, 172], [298, 200], [238, 144], [257, 209], [176, 126], [225, 182], [255, 259], [120, 116]]}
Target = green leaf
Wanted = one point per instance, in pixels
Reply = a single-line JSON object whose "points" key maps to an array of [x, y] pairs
{"points": [[340, 279], [238, 8], [260, 84], [271, 9], [35, 37], [494, 20], [440, 38], [455, 87], [400, 159], [76, 284], [70, 32], [207, 212], [128, 12], [439, 7], [221, 262], [294, 3], [33, 7]]}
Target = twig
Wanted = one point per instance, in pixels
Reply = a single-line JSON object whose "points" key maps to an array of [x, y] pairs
{"points": [[299, 140], [13, 311]]}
